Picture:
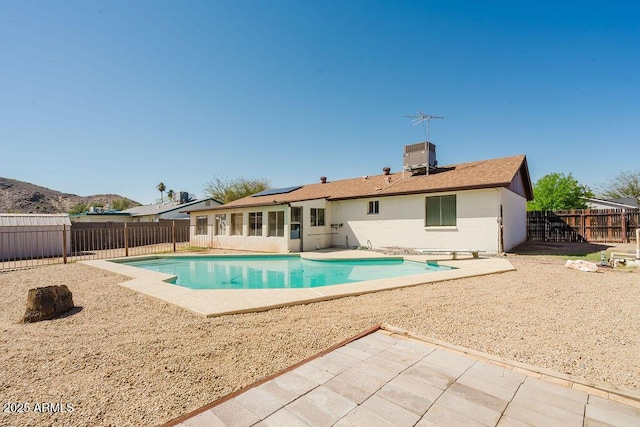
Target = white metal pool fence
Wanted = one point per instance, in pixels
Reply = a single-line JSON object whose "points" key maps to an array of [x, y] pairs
{"points": [[25, 249]]}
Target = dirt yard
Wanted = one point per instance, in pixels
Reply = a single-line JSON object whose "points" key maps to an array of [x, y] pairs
{"points": [[125, 359]]}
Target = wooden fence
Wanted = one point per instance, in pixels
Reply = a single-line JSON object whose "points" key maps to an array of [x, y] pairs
{"points": [[588, 225]]}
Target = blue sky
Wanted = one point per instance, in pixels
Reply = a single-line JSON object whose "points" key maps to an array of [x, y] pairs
{"points": [[116, 96]]}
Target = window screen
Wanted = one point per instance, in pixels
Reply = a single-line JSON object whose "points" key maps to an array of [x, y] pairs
{"points": [[441, 211]]}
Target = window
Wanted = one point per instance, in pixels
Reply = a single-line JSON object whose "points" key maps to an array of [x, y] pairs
{"points": [[441, 211], [317, 217], [201, 224], [236, 224], [276, 223], [374, 208], [255, 223], [296, 214], [221, 224]]}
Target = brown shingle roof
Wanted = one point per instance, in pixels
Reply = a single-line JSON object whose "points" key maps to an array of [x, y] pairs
{"points": [[482, 174]]}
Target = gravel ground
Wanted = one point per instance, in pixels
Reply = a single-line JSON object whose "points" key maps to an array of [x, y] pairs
{"points": [[125, 359]]}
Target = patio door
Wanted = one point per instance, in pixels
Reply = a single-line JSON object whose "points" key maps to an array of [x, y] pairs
{"points": [[295, 233]]}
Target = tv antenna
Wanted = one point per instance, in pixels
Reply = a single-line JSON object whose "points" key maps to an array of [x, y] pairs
{"points": [[422, 118]]}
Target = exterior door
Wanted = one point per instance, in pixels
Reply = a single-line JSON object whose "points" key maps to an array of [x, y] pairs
{"points": [[295, 233]]}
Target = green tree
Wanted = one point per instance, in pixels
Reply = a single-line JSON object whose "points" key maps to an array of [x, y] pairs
{"points": [[227, 190], [624, 184], [120, 204], [170, 195], [79, 208], [557, 191], [161, 187]]}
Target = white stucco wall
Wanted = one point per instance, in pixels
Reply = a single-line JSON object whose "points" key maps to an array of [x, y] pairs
{"points": [[514, 225], [316, 237], [401, 222], [245, 242], [202, 240], [313, 237]]}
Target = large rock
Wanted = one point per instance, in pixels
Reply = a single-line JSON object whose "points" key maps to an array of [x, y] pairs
{"points": [[47, 302], [581, 265]]}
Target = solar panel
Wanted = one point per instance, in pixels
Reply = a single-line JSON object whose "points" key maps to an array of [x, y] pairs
{"points": [[273, 191]]}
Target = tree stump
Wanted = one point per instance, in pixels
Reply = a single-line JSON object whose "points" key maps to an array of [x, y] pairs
{"points": [[47, 302]]}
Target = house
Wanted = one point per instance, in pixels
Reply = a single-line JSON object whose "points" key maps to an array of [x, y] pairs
{"points": [[621, 203], [32, 236], [477, 205], [99, 215], [168, 210], [172, 210]]}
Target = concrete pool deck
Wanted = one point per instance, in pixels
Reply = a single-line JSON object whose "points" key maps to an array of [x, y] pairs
{"points": [[220, 302]]}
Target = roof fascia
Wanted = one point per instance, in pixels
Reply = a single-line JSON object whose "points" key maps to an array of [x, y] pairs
{"points": [[435, 190], [524, 167], [255, 205], [613, 205]]}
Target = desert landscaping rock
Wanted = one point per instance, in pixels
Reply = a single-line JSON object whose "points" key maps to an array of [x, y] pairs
{"points": [[126, 359], [581, 265], [47, 302]]}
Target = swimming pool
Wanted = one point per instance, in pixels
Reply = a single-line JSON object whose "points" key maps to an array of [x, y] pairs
{"points": [[277, 272]]}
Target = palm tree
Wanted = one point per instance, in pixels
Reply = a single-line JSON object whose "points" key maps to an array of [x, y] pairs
{"points": [[170, 195], [161, 187]]}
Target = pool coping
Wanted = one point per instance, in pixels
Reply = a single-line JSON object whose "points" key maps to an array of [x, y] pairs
{"points": [[219, 302]]}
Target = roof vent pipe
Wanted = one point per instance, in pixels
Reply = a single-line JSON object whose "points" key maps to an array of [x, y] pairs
{"points": [[323, 179], [387, 170]]}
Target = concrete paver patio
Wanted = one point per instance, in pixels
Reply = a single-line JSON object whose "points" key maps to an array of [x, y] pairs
{"points": [[386, 378]]}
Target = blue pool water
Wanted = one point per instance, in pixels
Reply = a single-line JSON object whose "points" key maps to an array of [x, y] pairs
{"points": [[276, 272]]}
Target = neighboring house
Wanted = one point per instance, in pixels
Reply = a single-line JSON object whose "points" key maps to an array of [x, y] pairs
{"points": [[477, 205], [148, 213], [32, 236], [168, 210], [101, 216], [622, 203]]}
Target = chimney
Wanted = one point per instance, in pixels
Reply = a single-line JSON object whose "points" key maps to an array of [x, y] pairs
{"points": [[387, 170], [323, 179]]}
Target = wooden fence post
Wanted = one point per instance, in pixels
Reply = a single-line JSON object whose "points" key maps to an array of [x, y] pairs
{"points": [[623, 224], [546, 226], [173, 234], [126, 240], [64, 243]]}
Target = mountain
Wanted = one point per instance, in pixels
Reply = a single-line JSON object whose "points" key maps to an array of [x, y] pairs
{"points": [[23, 197]]}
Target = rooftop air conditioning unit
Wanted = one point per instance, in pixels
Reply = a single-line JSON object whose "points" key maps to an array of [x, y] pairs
{"points": [[184, 197], [420, 156]]}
